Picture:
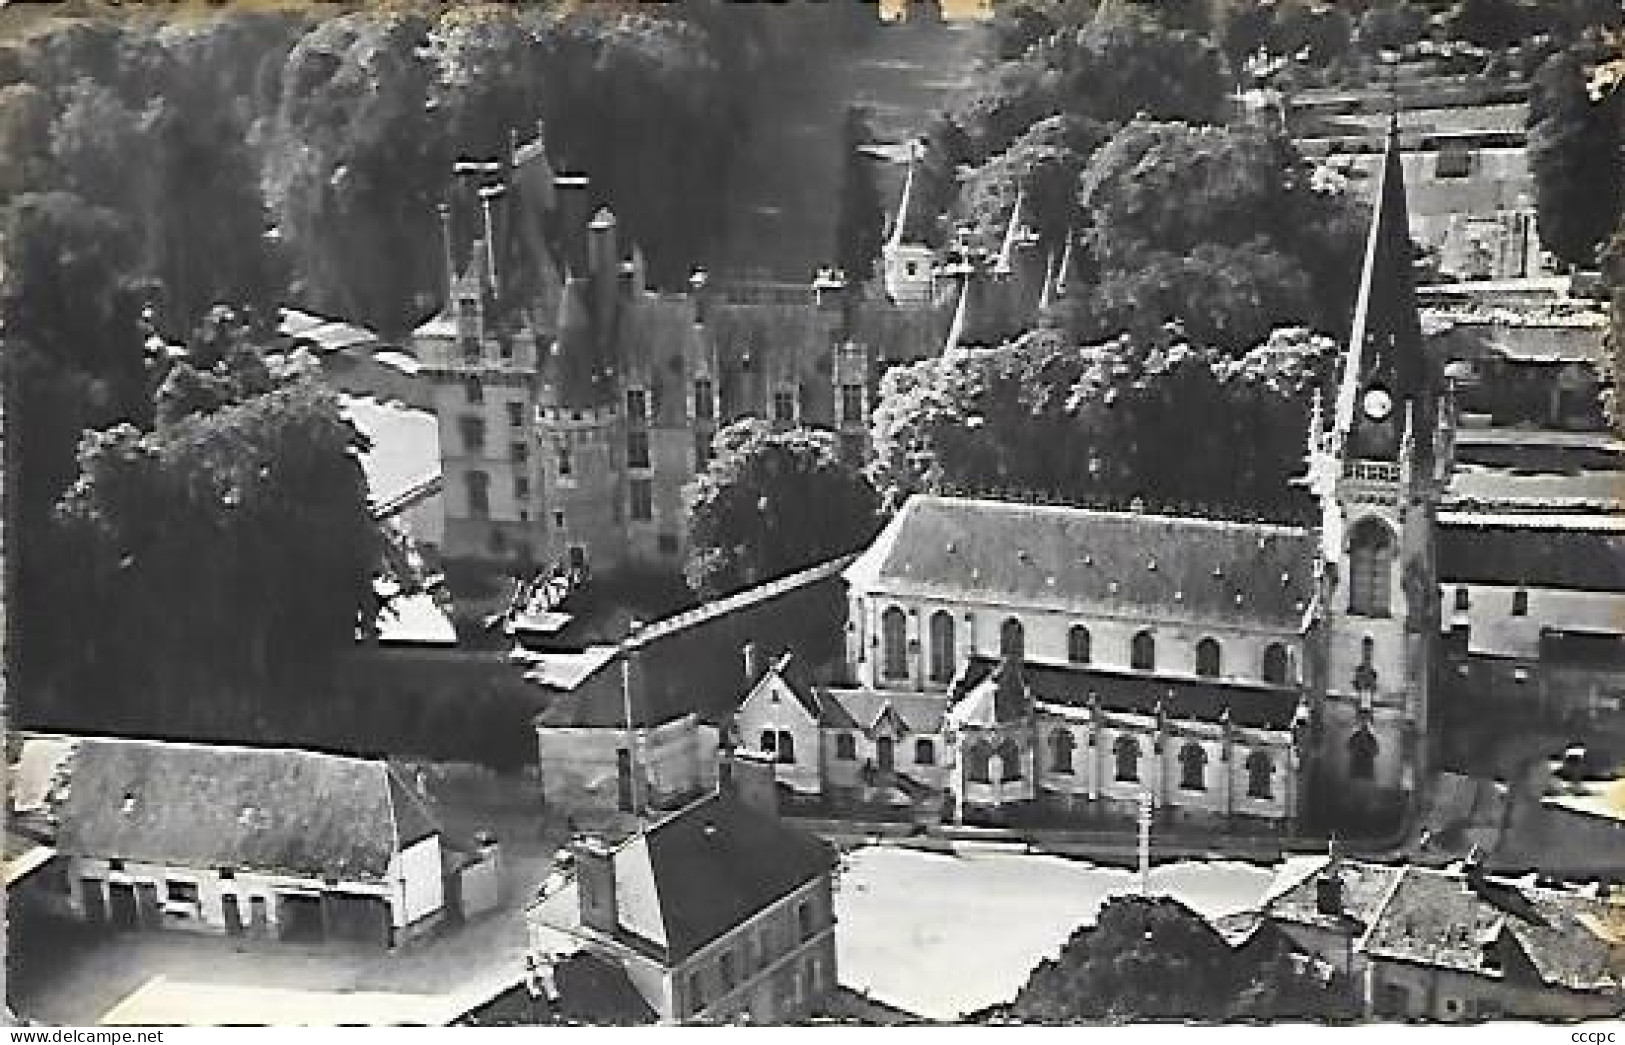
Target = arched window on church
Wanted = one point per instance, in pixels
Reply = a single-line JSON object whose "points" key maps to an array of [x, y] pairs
{"points": [[1010, 760], [1143, 652], [894, 644], [1061, 746], [1012, 639], [1208, 657], [1260, 775], [978, 753], [1371, 559], [1362, 755], [1077, 644], [942, 646], [1193, 767], [1126, 752], [1275, 663]]}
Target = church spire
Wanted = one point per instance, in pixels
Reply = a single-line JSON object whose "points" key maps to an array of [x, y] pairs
{"points": [[906, 222], [1384, 366]]}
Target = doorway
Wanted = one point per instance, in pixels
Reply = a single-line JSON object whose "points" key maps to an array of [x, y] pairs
{"points": [[233, 914], [886, 754]]}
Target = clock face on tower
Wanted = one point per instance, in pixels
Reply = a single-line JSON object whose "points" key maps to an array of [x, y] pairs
{"points": [[1377, 404]]}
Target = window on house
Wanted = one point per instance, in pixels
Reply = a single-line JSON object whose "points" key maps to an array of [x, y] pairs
{"points": [[1362, 755], [894, 643], [473, 430], [852, 404], [642, 500], [705, 404], [1260, 775], [1453, 163], [516, 415], [1061, 746], [566, 463], [725, 969], [1193, 767], [180, 892], [637, 448], [1464, 600], [1012, 639], [784, 407], [846, 748], [227, 874], [1275, 664], [925, 752], [1520, 603], [637, 405], [942, 646], [770, 741], [1207, 658], [1143, 652], [696, 992], [787, 747], [1077, 644], [804, 919], [1371, 557], [519, 451], [1126, 753], [521, 487], [479, 494], [474, 391], [1009, 760], [978, 759], [115, 865]]}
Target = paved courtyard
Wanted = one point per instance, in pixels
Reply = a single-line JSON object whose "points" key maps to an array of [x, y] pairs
{"points": [[944, 935]]}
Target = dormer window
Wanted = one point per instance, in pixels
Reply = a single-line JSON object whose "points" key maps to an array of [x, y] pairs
{"points": [[1520, 603]]}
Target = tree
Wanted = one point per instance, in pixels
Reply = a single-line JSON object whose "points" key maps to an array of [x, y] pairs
{"points": [[1046, 162], [1575, 156], [861, 222], [1153, 958], [1390, 25], [771, 503]]}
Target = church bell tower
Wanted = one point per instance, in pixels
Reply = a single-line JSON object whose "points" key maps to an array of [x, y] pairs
{"points": [[1378, 465]]}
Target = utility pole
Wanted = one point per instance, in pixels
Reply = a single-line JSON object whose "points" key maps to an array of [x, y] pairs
{"points": [[1145, 842]]}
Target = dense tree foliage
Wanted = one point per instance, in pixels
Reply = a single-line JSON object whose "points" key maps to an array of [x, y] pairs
{"points": [[1104, 423], [1575, 145], [771, 503], [1149, 959]]}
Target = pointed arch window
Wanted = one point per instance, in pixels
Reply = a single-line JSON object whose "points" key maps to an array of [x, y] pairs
{"points": [[1208, 658], [1371, 559], [1061, 746], [1009, 760], [1126, 753], [1362, 755], [894, 643], [1012, 639], [1193, 767], [978, 753], [942, 646], [1260, 775], [1275, 664], [1077, 644], [1143, 652]]}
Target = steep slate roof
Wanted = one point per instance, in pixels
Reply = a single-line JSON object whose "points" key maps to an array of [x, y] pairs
{"points": [[1080, 560], [592, 991], [706, 869], [276, 810], [862, 708], [1200, 700], [1570, 559]]}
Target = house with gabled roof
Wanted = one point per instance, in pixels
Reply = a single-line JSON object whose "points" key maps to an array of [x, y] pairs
{"points": [[718, 912], [255, 842], [1454, 944]]}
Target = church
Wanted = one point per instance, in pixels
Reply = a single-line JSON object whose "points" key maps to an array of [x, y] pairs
{"points": [[1004, 658]]}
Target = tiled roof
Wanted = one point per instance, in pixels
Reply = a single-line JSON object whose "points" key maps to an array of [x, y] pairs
{"points": [[1295, 897], [703, 871], [1570, 559], [1123, 563], [1444, 919], [592, 992], [1199, 700], [275, 810], [862, 708]]}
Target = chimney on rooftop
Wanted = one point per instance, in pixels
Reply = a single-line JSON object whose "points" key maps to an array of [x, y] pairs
{"points": [[595, 882], [1329, 885], [753, 781], [754, 666]]}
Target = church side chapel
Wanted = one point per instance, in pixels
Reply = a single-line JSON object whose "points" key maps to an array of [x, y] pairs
{"points": [[1008, 661]]}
